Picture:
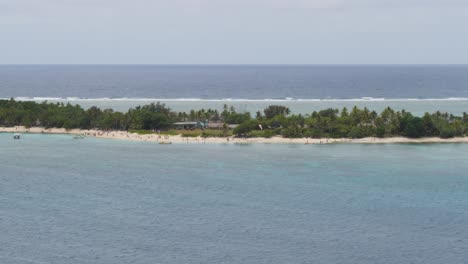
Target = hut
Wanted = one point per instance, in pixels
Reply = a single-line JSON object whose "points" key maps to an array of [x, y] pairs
{"points": [[185, 125]]}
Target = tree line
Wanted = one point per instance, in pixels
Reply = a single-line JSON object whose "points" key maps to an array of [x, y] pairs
{"points": [[275, 120], [354, 123]]}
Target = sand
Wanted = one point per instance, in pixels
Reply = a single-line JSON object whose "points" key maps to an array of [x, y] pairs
{"points": [[163, 139]]}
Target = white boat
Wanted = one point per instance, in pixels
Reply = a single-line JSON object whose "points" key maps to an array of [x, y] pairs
{"points": [[16, 136]]}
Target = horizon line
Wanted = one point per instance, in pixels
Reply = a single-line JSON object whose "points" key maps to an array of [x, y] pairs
{"points": [[233, 64]]}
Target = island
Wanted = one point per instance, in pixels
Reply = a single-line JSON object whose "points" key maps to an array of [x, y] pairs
{"points": [[156, 122]]}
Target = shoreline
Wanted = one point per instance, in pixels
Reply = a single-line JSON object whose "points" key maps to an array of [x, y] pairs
{"points": [[168, 139]]}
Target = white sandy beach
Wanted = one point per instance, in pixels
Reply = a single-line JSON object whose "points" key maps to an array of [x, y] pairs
{"points": [[162, 139]]}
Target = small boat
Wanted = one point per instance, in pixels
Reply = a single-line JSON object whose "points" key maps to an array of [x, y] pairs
{"points": [[164, 143], [79, 137], [243, 143], [16, 136]]}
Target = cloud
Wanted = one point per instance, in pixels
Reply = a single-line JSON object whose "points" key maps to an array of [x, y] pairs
{"points": [[22, 6], [32, 7], [320, 4], [224, 31]]}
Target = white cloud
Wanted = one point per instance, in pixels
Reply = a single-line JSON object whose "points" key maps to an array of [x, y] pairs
{"points": [[223, 31]]}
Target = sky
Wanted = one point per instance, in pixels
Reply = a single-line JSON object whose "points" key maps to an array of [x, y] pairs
{"points": [[233, 31]]}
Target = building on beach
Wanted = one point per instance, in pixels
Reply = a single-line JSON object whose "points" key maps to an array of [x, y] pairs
{"points": [[189, 125], [220, 125], [186, 125]]}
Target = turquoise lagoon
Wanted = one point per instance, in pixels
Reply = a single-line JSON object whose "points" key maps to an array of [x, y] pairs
{"points": [[103, 201]]}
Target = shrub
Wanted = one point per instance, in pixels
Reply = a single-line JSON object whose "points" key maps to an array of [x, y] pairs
{"points": [[246, 127], [356, 132], [447, 132], [292, 132], [216, 133], [267, 133], [380, 132], [413, 127], [313, 133]]}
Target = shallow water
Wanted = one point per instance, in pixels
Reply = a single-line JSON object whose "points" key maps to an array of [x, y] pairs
{"points": [[103, 201]]}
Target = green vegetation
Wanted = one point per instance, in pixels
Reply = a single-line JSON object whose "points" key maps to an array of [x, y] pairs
{"points": [[190, 133], [274, 121], [216, 133]]}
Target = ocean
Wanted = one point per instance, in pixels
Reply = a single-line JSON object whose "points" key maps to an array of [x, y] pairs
{"points": [[303, 88], [106, 201], [235, 82], [64, 200]]}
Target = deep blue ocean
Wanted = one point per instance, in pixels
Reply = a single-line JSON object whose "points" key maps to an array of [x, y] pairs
{"points": [[303, 89], [99, 201], [236, 82]]}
